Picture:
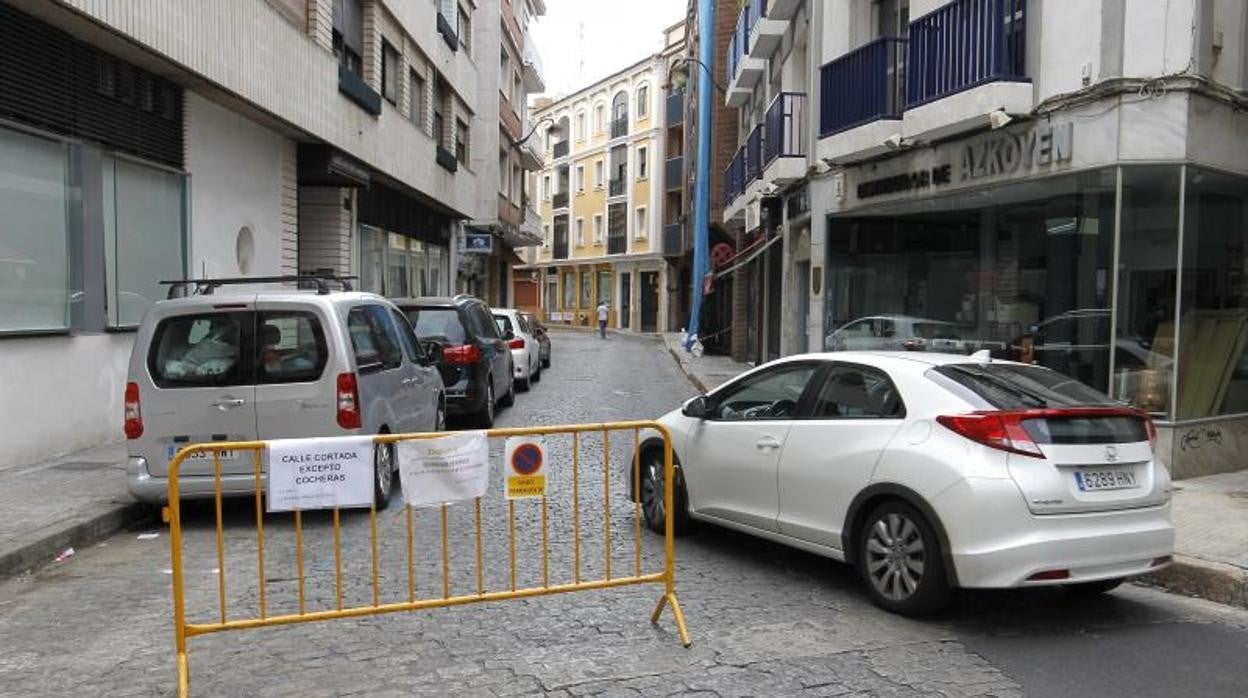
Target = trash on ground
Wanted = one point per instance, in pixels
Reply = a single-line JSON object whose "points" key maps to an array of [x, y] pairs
{"points": [[148, 536], [65, 555]]}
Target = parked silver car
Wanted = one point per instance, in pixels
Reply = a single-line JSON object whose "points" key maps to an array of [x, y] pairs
{"points": [[526, 351], [242, 366]]}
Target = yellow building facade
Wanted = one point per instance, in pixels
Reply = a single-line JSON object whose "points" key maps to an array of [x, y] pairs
{"points": [[600, 200]]}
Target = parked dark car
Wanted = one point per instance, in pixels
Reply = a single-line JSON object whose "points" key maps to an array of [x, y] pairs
{"points": [[539, 333], [476, 362]]}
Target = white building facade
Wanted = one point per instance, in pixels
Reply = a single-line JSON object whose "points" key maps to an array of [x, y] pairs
{"points": [[213, 139], [1056, 182]]}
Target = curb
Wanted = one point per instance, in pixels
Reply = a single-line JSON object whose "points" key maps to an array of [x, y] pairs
{"points": [[81, 534], [688, 374], [1212, 581]]}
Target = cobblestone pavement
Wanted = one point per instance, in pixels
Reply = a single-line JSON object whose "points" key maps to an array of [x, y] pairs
{"points": [[765, 620]]}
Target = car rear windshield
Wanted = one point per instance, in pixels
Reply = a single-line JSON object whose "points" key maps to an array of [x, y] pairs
{"points": [[441, 324], [1016, 387], [192, 351]]}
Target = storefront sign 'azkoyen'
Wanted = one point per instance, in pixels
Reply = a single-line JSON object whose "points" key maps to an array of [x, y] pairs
{"points": [[992, 155]]}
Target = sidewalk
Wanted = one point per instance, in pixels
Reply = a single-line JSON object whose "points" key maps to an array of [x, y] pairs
{"points": [[1210, 513], [68, 502]]}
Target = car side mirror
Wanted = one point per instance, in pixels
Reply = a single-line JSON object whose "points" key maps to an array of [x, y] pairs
{"points": [[695, 408]]}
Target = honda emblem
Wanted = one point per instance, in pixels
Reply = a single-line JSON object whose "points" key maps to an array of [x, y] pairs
{"points": [[1111, 454]]}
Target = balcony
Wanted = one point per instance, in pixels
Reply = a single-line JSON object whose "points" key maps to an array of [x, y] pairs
{"points": [[560, 150], [619, 127], [675, 241], [534, 73], [754, 155], [971, 56], [354, 88], [784, 140], [615, 187], [861, 100], [508, 212], [531, 156], [510, 120], [734, 179], [675, 108], [559, 199], [673, 173], [766, 34], [531, 225], [744, 70], [617, 243]]}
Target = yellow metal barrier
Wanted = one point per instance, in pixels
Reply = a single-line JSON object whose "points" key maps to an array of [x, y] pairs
{"points": [[184, 629]]}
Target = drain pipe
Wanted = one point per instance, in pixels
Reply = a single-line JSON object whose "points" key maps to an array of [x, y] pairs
{"points": [[702, 177]]}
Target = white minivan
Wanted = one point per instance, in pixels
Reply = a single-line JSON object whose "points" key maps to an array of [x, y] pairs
{"points": [[242, 366]]}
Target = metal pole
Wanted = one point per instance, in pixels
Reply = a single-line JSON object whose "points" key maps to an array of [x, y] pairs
{"points": [[702, 193]]}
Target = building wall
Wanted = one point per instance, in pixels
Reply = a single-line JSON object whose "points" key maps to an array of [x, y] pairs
{"points": [[239, 178]]}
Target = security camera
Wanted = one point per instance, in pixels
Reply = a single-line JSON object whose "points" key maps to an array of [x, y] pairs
{"points": [[823, 166], [999, 119], [893, 142]]}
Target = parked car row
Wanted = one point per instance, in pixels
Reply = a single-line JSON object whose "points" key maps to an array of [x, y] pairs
{"points": [[255, 365]]}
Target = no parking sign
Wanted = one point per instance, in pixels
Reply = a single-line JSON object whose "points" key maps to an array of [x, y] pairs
{"points": [[525, 465]]}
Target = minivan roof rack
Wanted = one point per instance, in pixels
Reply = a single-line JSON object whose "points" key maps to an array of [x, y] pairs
{"points": [[181, 288]]}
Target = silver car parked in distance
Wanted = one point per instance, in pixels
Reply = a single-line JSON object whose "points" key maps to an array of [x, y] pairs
{"points": [[526, 351], [242, 366]]}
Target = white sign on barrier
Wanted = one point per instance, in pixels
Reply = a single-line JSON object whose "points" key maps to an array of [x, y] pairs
{"points": [[320, 473], [449, 468]]}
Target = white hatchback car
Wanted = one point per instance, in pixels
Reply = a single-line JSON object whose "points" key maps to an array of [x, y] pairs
{"points": [[926, 471], [526, 352]]}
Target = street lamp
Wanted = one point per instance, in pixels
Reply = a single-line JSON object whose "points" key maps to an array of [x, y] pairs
{"points": [[556, 131], [678, 74]]}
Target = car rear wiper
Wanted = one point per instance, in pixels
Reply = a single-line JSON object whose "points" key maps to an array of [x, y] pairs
{"points": [[1006, 386]]}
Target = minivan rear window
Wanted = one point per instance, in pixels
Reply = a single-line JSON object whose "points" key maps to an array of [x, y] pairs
{"points": [[205, 350], [1017, 387], [292, 347], [441, 324]]}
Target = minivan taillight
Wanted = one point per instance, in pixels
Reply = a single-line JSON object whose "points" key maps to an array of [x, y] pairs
{"points": [[1152, 432], [516, 343], [134, 416], [1000, 430], [462, 354], [348, 402]]}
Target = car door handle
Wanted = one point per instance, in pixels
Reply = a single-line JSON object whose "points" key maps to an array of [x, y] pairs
{"points": [[410, 381], [229, 403], [767, 442]]}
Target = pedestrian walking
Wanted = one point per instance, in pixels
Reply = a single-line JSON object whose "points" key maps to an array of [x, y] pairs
{"points": [[602, 319]]}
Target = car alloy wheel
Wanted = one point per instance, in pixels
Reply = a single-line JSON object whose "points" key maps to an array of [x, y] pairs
{"points": [[487, 414], [896, 557], [652, 493]]}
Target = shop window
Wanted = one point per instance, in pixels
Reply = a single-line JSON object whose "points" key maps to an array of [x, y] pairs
{"points": [[1213, 310], [1148, 253], [569, 290], [1029, 278], [604, 288], [144, 237], [587, 289], [34, 253]]}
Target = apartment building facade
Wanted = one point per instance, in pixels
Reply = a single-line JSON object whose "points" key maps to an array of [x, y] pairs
{"points": [[509, 151], [602, 198], [1061, 183], [232, 138]]}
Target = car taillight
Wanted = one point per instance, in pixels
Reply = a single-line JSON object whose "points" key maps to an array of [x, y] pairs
{"points": [[463, 354], [134, 416], [1152, 432], [348, 402], [914, 344], [516, 343], [1000, 430]]}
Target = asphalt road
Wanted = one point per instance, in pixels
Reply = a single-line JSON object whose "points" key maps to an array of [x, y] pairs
{"points": [[765, 620]]}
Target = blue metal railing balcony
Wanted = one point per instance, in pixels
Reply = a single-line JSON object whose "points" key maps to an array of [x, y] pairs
{"points": [[734, 178], [754, 155], [739, 45], [965, 44], [675, 108], [785, 127], [862, 86]]}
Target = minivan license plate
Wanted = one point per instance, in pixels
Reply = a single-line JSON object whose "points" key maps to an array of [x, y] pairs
{"points": [[1094, 480], [200, 455]]}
